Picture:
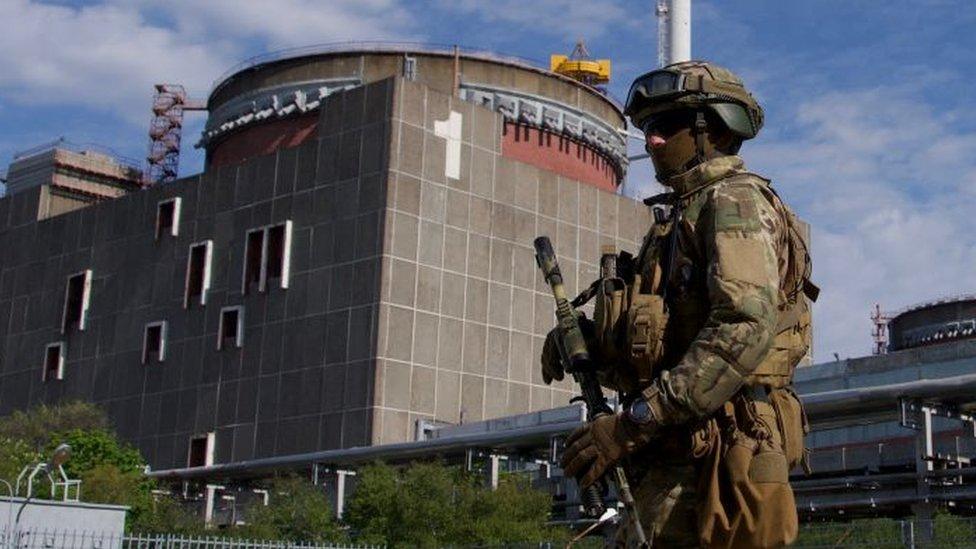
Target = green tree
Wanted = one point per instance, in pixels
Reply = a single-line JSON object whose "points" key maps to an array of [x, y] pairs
{"points": [[91, 448], [110, 471], [296, 511], [36, 426], [27, 437], [512, 513], [430, 505], [370, 512]]}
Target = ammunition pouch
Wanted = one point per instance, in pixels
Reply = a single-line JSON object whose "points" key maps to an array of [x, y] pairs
{"points": [[647, 318], [629, 328], [793, 426]]}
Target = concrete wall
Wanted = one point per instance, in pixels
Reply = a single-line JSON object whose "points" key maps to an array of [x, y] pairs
{"points": [[412, 295], [464, 310], [303, 379]]}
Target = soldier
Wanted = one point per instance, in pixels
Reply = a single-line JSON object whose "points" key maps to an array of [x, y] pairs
{"points": [[702, 337]]}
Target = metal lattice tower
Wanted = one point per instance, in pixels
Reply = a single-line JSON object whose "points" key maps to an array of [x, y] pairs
{"points": [[166, 131], [880, 331]]}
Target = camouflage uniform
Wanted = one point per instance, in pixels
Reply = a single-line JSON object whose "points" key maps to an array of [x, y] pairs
{"points": [[702, 336], [727, 297]]}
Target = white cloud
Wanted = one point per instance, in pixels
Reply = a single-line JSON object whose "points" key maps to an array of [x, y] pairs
{"points": [[290, 23], [879, 173], [108, 55], [101, 56]]}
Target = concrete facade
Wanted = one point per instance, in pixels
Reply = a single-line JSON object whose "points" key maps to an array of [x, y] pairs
{"points": [[410, 294], [70, 177]]}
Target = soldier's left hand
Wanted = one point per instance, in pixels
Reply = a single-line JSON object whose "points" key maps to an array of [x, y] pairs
{"points": [[595, 447]]}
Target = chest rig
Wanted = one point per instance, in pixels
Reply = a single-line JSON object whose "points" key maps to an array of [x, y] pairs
{"points": [[649, 308]]}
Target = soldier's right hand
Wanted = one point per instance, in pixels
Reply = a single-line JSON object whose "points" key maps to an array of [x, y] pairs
{"points": [[552, 365]]}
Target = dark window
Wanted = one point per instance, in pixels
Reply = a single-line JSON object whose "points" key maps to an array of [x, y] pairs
{"points": [[276, 252], [267, 257], [53, 362], [168, 218], [198, 274], [154, 343], [231, 331], [252, 260], [199, 451], [76, 302]]}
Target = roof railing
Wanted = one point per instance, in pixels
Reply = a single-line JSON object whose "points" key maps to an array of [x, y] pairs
{"points": [[938, 301], [80, 148]]}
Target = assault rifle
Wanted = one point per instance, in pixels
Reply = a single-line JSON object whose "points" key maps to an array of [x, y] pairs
{"points": [[576, 360]]}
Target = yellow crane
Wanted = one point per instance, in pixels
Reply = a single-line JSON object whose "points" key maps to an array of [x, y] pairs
{"points": [[580, 66]]}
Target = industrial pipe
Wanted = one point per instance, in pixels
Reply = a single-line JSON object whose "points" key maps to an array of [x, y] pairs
{"points": [[841, 407]]}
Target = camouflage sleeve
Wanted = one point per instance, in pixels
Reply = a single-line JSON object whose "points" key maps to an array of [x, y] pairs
{"points": [[739, 228]]}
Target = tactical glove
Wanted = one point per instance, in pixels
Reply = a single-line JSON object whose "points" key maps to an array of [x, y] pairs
{"points": [[552, 366], [597, 446]]}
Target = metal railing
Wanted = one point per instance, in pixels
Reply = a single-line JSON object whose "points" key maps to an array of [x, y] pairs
{"points": [[62, 143], [40, 538]]}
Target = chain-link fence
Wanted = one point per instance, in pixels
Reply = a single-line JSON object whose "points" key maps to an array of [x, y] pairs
{"points": [[942, 532], [66, 539]]}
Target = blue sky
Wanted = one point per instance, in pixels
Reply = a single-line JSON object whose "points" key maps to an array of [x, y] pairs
{"points": [[871, 131]]}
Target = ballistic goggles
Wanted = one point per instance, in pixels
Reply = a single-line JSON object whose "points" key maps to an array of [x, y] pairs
{"points": [[667, 89]]}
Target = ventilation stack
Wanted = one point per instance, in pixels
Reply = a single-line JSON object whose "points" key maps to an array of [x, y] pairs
{"points": [[166, 131], [673, 31]]}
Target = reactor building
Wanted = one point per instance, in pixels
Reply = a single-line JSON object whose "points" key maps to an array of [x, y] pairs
{"points": [[353, 266]]}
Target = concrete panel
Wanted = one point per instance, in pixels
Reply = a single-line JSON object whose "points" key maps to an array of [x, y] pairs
{"points": [[399, 334], [448, 396], [450, 344], [472, 397], [422, 389], [456, 214], [428, 288], [480, 215], [455, 250], [476, 300], [496, 397], [396, 384], [473, 356], [479, 253], [500, 305], [498, 352], [431, 243], [452, 294], [403, 236], [425, 339], [406, 191]]}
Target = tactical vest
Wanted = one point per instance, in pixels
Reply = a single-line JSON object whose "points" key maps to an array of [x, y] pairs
{"points": [[647, 311]]}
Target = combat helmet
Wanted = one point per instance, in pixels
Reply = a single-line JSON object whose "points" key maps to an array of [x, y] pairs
{"points": [[695, 85]]}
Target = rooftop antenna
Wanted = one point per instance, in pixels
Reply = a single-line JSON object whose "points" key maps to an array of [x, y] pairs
{"points": [[673, 31], [880, 331]]}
